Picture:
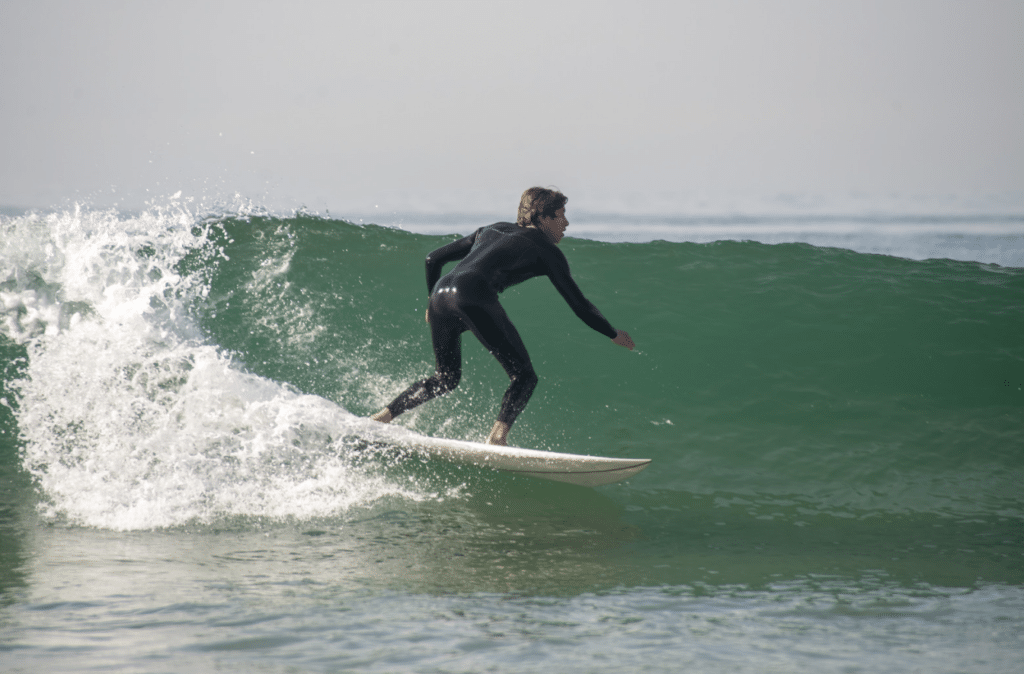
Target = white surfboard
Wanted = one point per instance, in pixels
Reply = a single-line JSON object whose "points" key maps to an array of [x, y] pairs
{"points": [[586, 471]]}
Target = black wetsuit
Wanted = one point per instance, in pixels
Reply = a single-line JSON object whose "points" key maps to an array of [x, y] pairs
{"points": [[493, 258]]}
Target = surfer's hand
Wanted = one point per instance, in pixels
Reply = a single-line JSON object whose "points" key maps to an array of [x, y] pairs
{"points": [[427, 316], [623, 339]]}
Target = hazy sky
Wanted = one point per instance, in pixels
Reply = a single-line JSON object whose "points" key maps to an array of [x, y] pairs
{"points": [[340, 104]]}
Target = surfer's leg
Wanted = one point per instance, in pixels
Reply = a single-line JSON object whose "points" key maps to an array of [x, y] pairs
{"points": [[493, 328], [384, 416], [499, 434], [445, 332]]}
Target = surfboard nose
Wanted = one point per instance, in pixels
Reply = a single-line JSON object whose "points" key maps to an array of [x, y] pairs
{"points": [[594, 478]]}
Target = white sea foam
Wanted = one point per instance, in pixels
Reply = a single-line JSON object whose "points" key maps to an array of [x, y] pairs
{"points": [[130, 419]]}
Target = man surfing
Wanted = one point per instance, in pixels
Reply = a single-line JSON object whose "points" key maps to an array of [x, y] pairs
{"points": [[494, 258]]}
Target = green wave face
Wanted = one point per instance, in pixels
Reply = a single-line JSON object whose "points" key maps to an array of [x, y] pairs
{"points": [[165, 369], [855, 380]]}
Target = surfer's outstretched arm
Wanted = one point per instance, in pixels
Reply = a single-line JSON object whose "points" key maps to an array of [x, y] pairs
{"points": [[623, 339]]}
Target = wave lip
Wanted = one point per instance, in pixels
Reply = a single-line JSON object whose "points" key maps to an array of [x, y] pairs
{"points": [[129, 418]]}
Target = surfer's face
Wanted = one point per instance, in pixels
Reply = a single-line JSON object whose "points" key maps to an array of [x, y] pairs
{"points": [[555, 226]]}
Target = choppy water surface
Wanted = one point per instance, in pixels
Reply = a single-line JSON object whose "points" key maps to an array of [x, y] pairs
{"points": [[187, 481]]}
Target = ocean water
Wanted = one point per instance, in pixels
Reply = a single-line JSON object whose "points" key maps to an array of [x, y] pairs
{"points": [[833, 402]]}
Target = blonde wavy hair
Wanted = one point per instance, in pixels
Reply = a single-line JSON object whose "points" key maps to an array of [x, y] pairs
{"points": [[537, 202]]}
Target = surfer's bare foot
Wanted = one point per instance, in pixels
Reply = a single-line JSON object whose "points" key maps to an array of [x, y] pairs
{"points": [[499, 434], [384, 416]]}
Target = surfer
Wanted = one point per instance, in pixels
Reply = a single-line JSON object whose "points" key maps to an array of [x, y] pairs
{"points": [[494, 258]]}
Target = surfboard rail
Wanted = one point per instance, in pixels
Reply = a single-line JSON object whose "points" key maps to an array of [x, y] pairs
{"points": [[578, 469]]}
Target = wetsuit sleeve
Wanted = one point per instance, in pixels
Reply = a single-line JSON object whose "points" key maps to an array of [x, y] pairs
{"points": [[558, 272], [456, 250]]}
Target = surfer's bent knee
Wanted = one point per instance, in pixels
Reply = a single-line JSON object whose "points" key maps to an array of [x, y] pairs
{"points": [[526, 379]]}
